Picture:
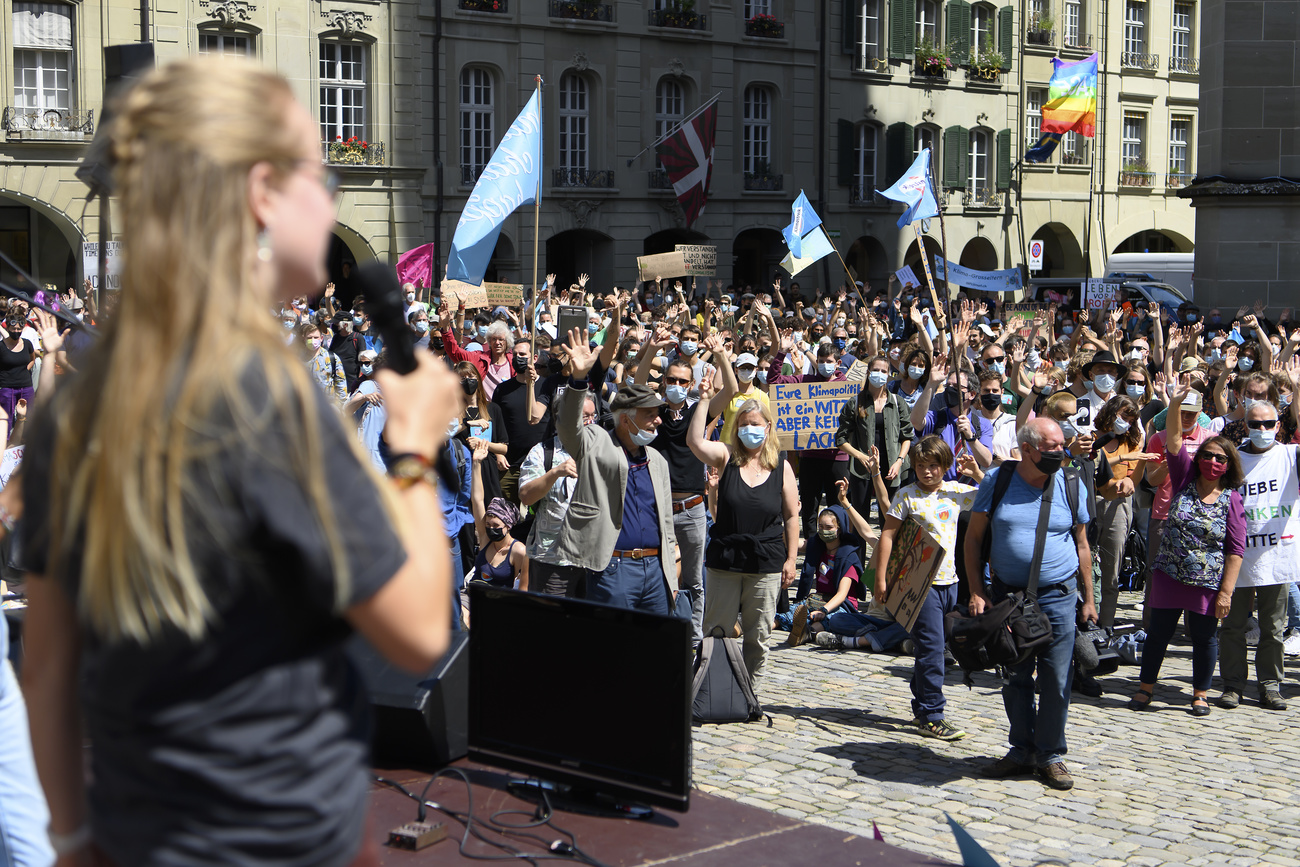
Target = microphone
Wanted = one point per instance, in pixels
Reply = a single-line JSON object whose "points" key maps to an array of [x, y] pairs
{"points": [[384, 305]]}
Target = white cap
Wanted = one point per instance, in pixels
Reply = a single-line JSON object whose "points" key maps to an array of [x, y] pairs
{"points": [[746, 358]]}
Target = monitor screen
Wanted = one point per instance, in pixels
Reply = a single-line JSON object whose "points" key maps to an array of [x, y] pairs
{"points": [[582, 694]]}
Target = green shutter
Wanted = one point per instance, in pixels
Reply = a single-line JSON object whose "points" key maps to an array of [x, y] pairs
{"points": [[1006, 34], [902, 28], [958, 39], [844, 137], [956, 143], [1004, 159], [898, 151], [848, 26]]}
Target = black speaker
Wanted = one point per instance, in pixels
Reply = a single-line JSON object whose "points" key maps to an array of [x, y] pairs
{"points": [[420, 722], [122, 65]]}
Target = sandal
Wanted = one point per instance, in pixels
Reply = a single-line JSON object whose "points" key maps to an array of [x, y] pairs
{"points": [[1200, 706], [1134, 704]]}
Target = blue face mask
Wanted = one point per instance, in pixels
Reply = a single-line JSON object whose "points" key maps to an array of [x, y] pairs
{"points": [[675, 393], [689, 347], [641, 437], [752, 435], [357, 320], [482, 332], [367, 369], [840, 343], [1068, 430], [878, 378], [593, 327], [1262, 439]]}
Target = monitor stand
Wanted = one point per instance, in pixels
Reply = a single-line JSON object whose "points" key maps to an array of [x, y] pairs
{"points": [[569, 799]]}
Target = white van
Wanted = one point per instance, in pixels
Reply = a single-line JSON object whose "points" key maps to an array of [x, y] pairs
{"points": [[1172, 268]]}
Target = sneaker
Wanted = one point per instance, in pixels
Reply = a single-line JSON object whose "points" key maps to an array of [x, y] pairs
{"points": [[1291, 645], [1005, 767], [940, 729], [1271, 699], [1230, 699], [1252, 632], [799, 627], [908, 647], [1057, 777], [828, 639]]}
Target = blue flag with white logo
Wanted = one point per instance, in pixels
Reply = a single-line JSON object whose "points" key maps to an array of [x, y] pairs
{"points": [[914, 190], [803, 219], [511, 178]]}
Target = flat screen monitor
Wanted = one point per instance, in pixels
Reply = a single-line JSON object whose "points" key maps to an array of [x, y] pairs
{"points": [[585, 695]]}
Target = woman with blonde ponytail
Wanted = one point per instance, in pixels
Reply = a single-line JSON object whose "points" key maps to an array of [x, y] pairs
{"points": [[193, 578]]}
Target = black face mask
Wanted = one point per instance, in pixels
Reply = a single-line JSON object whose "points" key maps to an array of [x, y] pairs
{"points": [[1050, 462], [496, 534], [952, 396], [519, 363], [436, 342], [470, 386], [554, 365], [990, 401]]}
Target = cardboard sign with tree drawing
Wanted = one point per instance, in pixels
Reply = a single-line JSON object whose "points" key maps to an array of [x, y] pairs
{"points": [[912, 566]]}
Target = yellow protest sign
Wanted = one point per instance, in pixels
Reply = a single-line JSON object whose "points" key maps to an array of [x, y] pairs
{"points": [[807, 414]]}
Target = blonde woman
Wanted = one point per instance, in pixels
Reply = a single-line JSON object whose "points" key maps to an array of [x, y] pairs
{"points": [[751, 555], [193, 579]]}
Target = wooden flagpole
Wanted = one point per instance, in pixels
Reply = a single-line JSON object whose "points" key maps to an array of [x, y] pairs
{"points": [[537, 216]]}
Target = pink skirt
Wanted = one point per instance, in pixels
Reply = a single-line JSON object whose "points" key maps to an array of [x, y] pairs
{"points": [[1168, 593]]}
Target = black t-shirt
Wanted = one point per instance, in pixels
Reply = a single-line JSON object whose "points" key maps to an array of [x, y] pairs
{"points": [[348, 348], [13, 364], [512, 397], [685, 470], [251, 745]]}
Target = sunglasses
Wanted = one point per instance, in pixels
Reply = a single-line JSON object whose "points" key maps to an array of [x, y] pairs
{"points": [[1262, 424], [1216, 457], [994, 359], [672, 380], [1141, 382]]}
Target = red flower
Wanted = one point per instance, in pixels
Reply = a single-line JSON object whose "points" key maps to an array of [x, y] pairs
{"points": [[338, 138]]}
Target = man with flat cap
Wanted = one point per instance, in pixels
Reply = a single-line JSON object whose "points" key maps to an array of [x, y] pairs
{"points": [[620, 520]]}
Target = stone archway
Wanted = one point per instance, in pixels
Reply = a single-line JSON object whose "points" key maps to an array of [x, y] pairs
{"points": [[869, 262], [40, 240], [756, 253], [1154, 241], [580, 251], [1062, 254], [979, 255]]}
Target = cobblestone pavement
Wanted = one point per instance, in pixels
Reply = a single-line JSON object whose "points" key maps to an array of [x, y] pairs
{"points": [[1154, 788]]}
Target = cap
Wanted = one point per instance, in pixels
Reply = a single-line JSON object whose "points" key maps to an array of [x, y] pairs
{"points": [[746, 358], [986, 329], [1190, 363], [635, 397], [1192, 401]]}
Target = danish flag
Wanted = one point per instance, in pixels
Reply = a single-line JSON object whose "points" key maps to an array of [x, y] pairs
{"points": [[687, 157]]}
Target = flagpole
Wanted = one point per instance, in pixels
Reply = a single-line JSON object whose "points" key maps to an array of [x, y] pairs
{"points": [[672, 132], [537, 216], [852, 282], [943, 239]]}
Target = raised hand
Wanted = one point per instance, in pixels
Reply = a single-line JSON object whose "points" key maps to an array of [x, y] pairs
{"points": [[580, 353], [329, 289], [1018, 354], [1230, 357], [582, 280], [939, 370], [47, 329], [842, 492], [968, 466], [915, 316], [961, 333], [1293, 373], [550, 281], [715, 343]]}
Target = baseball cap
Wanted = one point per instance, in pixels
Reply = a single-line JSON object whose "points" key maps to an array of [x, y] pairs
{"points": [[747, 358], [1192, 401]]}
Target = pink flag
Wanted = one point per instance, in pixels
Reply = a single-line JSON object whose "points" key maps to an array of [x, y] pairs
{"points": [[416, 266]]}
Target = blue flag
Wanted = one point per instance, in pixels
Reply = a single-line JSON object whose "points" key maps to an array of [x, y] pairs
{"points": [[1041, 152], [815, 246], [915, 190], [511, 178], [803, 219]]}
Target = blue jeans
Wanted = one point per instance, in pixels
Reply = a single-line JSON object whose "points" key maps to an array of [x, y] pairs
{"points": [[689, 525], [927, 672], [457, 581], [628, 583], [23, 814], [1293, 606], [1038, 728], [882, 634]]}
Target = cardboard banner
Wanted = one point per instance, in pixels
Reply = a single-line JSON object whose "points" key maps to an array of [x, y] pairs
{"points": [[1020, 318], [701, 260], [112, 263], [1100, 295], [509, 294], [913, 562], [858, 372], [487, 295], [807, 414], [661, 265], [9, 463]]}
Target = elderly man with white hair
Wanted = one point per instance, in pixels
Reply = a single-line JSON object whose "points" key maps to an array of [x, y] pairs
{"points": [[1270, 563], [1037, 734]]}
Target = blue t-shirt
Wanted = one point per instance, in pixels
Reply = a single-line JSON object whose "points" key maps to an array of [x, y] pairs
{"points": [[1013, 524], [640, 517]]}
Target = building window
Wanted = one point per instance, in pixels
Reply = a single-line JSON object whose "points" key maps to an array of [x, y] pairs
{"points": [[670, 108], [1034, 99], [1135, 27], [475, 122], [757, 7], [1180, 48], [42, 35], [238, 44], [981, 28], [573, 122], [864, 162], [757, 156], [1074, 150], [342, 91], [927, 21], [1132, 147], [1180, 134], [926, 137], [1073, 26], [980, 181], [867, 23]]}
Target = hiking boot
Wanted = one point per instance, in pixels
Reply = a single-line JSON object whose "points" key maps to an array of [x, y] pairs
{"points": [[1005, 767], [1271, 699], [1087, 685], [1230, 699], [1057, 777], [799, 627], [940, 729], [828, 639]]}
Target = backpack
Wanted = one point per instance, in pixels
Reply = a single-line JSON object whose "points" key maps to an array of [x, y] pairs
{"points": [[1133, 563], [721, 690]]}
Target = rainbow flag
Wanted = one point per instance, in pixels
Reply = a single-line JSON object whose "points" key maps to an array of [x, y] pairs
{"points": [[1072, 98]]}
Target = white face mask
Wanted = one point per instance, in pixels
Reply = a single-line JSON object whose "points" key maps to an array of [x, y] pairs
{"points": [[410, 297], [675, 393], [1121, 426], [826, 368], [745, 374], [915, 372], [1245, 364], [878, 378]]}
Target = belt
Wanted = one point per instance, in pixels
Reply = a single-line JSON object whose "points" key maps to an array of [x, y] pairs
{"points": [[689, 502], [636, 553]]}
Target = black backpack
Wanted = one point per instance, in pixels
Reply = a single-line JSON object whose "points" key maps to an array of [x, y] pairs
{"points": [[1133, 564], [721, 690]]}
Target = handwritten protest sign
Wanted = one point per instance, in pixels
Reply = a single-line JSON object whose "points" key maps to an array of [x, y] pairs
{"points": [[808, 413], [487, 295], [913, 562], [1020, 319], [1100, 295], [661, 265], [701, 260], [509, 294], [10, 462]]}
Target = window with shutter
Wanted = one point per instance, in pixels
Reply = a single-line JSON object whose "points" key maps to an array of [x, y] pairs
{"points": [[898, 151], [1006, 34], [1004, 159], [844, 137], [955, 143], [902, 21]]}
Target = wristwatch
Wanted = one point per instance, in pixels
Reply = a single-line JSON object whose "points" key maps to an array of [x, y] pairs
{"points": [[409, 469]]}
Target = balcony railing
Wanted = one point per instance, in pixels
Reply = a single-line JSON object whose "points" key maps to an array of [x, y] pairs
{"points": [[983, 74], [1133, 60], [1175, 180], [678, 18], [659, 180], [765, 26], [1076, 157], [763, 182], [353, 152], [582, 178], [867, 197], [1077, 40], [48, 123], [1185, 65], [1035, 36], [499, 6], [985, 198], [1133, 178], [582, 10], [469, 175]]}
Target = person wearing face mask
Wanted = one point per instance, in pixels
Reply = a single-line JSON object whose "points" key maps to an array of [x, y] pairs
{"points": [[17, 357], [1259, 388], [830, 582], [361, 327], [912, 377], [1037, 722], [688, 352], [522, 408], [324, 365], [501, 560], [410, 304], [994, 422], [481, 422], [620, 521], [746, 367], [1157, 470], [495, 364], [754, 543], [956, 422], [1268, 564], [1103, 372], [1121, 447], [348, 347], [879, 418], [418, 319]]}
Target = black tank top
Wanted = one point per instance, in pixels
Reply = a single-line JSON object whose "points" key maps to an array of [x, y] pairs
{"points": [[13, 365], [749, 533]]}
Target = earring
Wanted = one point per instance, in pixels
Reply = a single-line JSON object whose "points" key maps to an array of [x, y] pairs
{"points": [[264, 245]]}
